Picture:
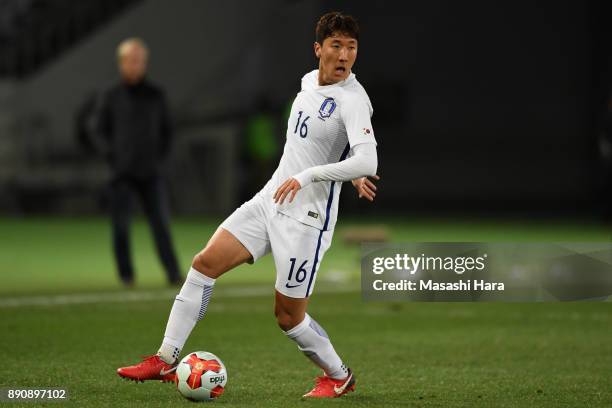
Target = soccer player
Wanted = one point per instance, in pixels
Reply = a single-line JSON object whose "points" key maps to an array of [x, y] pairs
{"points": [[329, 140]]}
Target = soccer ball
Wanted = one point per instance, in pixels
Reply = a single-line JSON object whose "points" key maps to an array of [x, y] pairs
{"points": [[201, 376]]}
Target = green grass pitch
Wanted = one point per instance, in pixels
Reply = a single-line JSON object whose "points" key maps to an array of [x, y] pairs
{"points": [[404, 355]]}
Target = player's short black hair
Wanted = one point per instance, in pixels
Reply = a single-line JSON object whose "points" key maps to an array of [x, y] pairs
{"points": [[336, 22]]}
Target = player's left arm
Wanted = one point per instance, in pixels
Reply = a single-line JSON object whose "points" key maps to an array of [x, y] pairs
{"points": [[362, 163]]}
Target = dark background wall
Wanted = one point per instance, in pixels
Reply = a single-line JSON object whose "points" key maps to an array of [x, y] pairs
{"points": [[485, 105], [479, 106]]}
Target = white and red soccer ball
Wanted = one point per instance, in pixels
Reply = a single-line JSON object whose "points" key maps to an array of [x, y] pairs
{"points": [[201, 376]]}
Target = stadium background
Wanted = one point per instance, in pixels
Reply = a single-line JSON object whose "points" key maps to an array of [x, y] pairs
{"points": [[490, 122]]}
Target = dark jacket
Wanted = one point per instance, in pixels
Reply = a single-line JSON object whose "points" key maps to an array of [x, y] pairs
{"points": [[134, 125]]}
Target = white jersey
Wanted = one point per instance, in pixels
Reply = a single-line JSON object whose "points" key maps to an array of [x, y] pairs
{"points": [[324, 124]]}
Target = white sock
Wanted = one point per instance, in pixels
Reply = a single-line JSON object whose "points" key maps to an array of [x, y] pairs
{"points": [[189, 307], [314, 342]]}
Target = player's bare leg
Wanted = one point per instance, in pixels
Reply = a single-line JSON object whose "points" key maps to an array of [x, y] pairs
{"points": [[222, 253], [289, 311], [314, 342]]}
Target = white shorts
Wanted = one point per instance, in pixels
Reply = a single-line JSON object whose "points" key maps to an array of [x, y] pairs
{"points": [[297, 248]]}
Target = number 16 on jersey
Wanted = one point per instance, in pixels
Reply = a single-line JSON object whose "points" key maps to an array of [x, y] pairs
{"points": [[300, 274], [303, 127]]}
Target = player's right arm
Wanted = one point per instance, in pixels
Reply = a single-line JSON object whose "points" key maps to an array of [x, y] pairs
{"points": [[365, 187], [357, 114]]}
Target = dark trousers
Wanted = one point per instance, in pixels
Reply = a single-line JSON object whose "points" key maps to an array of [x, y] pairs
{"points": [[151, 194]]}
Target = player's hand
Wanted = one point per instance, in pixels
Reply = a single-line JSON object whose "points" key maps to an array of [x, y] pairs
{"points": [[290, 186], [365, 187]]}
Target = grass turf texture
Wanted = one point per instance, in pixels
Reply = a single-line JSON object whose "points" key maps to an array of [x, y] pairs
{"points": [[412, 354], [67, 255]]}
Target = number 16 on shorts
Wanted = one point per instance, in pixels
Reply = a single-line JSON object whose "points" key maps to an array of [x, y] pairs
{"points": [[296, 277]]}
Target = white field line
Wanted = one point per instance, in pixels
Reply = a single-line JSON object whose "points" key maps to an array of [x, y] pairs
{"points": [[143, 296]]}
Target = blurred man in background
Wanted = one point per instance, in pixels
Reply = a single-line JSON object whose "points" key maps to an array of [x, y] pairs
{"points": [[135, 128]]}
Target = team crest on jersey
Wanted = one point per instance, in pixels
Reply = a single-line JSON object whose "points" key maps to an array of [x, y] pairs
{"points": [[327, 108]]}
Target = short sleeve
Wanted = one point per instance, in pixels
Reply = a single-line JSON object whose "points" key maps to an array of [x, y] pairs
{"points": [[356, 118]]}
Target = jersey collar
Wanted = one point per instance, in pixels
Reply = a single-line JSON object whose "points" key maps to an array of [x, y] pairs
{"points": [[310, 81]]}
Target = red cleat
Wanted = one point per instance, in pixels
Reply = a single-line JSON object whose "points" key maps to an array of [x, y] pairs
{"points": [[327, 387], [151, 368]]}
